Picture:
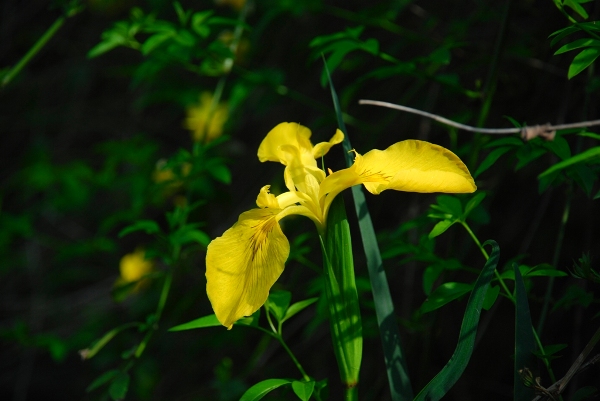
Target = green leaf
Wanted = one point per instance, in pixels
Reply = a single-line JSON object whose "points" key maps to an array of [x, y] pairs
{"points": [[102, 380], [298, 307], [149, 226], [444, 294], [579, 158], [578, 44], [490, 297], [221, 173], [473, 203], [303, 389], [342, 296], [259, 390], [524, 340], [396, 368], [559, 146], [187, 234], [278, 303], [583, 60], [441, 227], [450, 204], [205, 321], [154, 41], [119, 386], [491, 159], [576, 6], [430, 275], [590, 135], [550, 351], [448, 376]]}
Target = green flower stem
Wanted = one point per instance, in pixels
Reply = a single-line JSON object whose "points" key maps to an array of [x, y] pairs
{"points": [[34, 50], [278, 335], [294, 359], [557, 249], [159, 309], [512, 298]]}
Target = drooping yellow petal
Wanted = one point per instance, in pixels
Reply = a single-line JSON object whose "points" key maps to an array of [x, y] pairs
{"points": [[414, 166], [411, 165], [243, 264]]}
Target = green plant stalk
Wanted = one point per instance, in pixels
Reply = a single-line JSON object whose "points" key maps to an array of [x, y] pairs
{"points": [[278, 335], [342, 297], [512, 299], [41, 42], [557, 249]]}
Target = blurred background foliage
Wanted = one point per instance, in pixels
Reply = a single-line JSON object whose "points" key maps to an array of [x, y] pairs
{"points": [[129, 141]]}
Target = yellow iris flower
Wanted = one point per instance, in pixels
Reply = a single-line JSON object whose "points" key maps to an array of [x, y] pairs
{"points": [[243, 264]]}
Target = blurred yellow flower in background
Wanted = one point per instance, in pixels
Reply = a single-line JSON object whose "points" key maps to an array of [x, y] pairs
{"points": [[206, 121], [133, 267]]}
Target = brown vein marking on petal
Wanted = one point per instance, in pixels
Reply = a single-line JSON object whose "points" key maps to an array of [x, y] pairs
{"points": [[260, 236]]}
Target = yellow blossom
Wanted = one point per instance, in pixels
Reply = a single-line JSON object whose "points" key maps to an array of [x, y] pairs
{"points": [[243, 264], [205, 120], [133, 267]]}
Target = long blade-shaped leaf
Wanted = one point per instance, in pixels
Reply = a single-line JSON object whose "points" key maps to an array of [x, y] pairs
{"points": [[395, 362], [449, 375], [524, 341]]}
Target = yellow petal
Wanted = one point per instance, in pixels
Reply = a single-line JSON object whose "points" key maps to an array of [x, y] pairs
{"points": [[322, 148], [243, 264], [266, 200], [411, 165], [292, 134], [414, 166]]}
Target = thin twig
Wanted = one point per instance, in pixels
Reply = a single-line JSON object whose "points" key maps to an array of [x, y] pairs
{"points": [[546, 131], [577, 366]]}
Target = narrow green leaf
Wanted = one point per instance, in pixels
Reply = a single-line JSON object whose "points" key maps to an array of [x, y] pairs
{"points": [[205, 321], [583, 60], [444, 294], [259, 390], [578, 44], [441, 227], [447, 377], [490, 159], [278, 303], [102, 380], [119, 386], [303, 389], [154, 41], [579, 158], [149, 226], [298, 307], [397, 372], [473, 203], [524, 341], [578, 8]]}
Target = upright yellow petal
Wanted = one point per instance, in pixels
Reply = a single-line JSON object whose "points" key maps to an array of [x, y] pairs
{"points": [[414, 166], [322, 148], [292, 134], [244, 263]]}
